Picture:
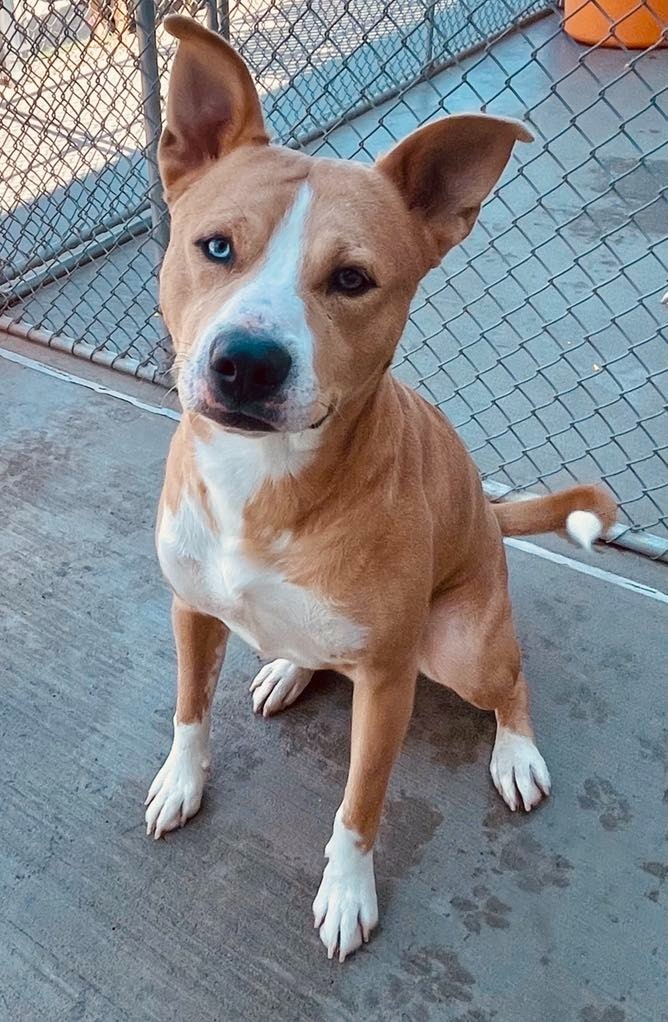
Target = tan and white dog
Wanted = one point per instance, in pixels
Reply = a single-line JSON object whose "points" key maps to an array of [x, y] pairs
{"points": [[313, 504]]}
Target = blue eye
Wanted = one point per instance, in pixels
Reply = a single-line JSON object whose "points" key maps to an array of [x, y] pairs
{"points": [[217, 249]]}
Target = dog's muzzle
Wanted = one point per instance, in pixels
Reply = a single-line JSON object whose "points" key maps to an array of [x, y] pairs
{"points": [[245, 374], [246, 368]]}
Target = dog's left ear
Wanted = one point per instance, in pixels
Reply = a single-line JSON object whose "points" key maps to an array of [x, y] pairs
{"points": [[446, 169], [212, 104]]}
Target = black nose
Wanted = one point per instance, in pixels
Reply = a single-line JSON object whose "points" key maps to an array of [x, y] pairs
{"points": [[246, 367]]}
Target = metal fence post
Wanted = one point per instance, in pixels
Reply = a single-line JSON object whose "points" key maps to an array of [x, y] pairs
{"points": [[429, 55], [212, 15], [224, 18], [150, 91], [6, 10]]}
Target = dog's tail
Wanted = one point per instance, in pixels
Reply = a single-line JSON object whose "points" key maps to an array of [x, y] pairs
{"points": [[585, 512]]}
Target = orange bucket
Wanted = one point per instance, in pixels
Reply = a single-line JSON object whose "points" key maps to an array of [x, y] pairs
{"points": [[636, 24]]}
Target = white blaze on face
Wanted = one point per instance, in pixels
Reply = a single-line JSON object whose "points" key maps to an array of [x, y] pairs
{"points": [[272, 297]]}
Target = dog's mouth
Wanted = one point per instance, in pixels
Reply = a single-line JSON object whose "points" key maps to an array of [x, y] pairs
{"points": [[241, 422], [238, 422], [321, 421]]}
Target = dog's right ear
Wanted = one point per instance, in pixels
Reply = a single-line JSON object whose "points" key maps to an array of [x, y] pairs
{"points": [[212, 105]]}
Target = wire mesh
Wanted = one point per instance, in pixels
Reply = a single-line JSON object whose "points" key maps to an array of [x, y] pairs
{"points": [[542, 337]]}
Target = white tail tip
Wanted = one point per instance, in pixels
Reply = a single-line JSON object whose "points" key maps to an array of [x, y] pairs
{"points": [[584, 527]]}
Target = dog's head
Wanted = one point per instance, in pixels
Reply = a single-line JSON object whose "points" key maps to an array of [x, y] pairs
{"points": [[288, 278]]}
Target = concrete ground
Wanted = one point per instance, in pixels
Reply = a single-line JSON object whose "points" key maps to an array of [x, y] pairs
{"points": [[485, 916]]}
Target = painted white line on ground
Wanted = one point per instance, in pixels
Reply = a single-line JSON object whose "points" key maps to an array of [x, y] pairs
{"points": [[588, 569], [99, 388], [518, 544]]}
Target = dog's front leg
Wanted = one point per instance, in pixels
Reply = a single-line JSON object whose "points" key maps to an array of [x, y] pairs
{"points": [[345, 908], [176, 792]]}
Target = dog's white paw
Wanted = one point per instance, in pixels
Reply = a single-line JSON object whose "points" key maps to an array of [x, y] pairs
{"points": [[176, 792], [345, 909], [518, 770], [277, 685]]}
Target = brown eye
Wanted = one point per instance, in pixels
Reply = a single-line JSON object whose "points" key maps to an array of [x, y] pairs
{"points": [[350, 281]]}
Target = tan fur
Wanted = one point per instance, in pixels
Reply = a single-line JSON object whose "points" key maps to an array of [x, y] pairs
{"points": [[388, 521], [200, 648], [446, 169], [549, 514], [382, 707], [203, 128], [181, 474]]}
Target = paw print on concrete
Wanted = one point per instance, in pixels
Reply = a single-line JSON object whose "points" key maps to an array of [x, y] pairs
{"points": [[533, 866], [600, 795], [594, 1014], [485, 910]]}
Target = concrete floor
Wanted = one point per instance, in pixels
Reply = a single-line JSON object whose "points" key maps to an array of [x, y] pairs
{"points": [[486, 916]]}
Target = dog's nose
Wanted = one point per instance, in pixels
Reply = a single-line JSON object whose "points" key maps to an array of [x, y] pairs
{"points": [[246, 367]]}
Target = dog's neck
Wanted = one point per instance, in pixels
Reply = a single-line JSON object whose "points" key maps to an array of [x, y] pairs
{"points": [[290, 476]]}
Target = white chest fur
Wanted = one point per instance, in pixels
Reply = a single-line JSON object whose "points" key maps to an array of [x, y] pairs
{"points": [[210, 571]]}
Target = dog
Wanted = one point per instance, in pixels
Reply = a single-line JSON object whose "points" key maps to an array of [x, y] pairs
{"points": [[313, 504]]}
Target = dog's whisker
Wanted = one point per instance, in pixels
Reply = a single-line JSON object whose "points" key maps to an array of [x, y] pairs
{"points": [[167, 394]]}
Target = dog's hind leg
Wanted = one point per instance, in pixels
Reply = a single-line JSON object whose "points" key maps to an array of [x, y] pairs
{"points": [[277, 685], [469, 645], [176, 792]]}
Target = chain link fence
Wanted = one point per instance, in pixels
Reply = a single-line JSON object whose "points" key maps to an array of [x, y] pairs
{"points": [[542, 337]]}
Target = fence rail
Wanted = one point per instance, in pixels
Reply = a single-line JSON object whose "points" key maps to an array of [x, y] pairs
{"points": [[543, 337]]}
